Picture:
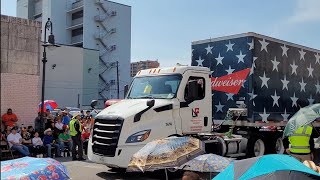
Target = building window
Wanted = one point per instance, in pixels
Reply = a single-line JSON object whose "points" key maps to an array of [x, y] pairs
{"points": [[77, 32], [77, 15]]}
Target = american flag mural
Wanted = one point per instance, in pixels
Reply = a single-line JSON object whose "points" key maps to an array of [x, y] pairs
{"points": [[283, 76]]}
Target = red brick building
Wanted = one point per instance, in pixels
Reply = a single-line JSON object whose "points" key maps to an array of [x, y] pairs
{"points": [[137, 66], [20, 60]]}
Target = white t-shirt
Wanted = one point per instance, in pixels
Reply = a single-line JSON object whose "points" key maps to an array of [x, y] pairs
{"points": [[36, 141], [59, 126], [14, 137]]}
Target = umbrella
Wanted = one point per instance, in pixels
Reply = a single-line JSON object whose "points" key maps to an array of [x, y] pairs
{"points": [[33, 168], [165, 153], [207, 163], [49, 104], [268, 167], [303, 117]]}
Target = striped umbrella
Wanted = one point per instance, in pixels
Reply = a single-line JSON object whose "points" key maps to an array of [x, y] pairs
{"points": [[48, 104]]}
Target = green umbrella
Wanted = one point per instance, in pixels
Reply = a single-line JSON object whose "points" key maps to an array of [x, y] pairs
{"points": [[303, 117]]}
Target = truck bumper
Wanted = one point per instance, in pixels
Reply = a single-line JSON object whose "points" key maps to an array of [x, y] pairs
{"points": [[120, 160]]}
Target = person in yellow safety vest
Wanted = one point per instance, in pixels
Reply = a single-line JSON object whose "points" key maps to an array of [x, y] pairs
{"points": [[75, 133], [301, 143]]}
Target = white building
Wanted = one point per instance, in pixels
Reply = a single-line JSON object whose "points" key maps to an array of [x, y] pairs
{"points": [[72, 76], [92, 24]]}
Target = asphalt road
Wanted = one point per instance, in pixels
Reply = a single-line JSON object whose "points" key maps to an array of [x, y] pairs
{"points": [[87, 170], [79, 170]]}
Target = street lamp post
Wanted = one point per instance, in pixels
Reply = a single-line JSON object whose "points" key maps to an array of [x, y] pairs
{"points": [[50, 43]]}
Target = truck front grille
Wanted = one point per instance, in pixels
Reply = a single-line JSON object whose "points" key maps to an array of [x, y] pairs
{"points": [[105, 137]]}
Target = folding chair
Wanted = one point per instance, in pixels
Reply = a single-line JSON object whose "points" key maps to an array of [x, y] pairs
{"points": [[5, 149]]}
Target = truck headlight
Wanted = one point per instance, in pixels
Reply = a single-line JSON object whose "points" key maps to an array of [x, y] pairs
{"points": [[139, 136]]}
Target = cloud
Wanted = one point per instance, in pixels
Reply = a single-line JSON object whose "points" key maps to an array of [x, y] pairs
{"points": [[306, 11]]}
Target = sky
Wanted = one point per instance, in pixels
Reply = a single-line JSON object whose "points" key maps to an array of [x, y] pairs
{"points": [[164, 29]]}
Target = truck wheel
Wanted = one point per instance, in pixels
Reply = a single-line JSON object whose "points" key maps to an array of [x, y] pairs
{"points": [[279, 147], [255, 147]]}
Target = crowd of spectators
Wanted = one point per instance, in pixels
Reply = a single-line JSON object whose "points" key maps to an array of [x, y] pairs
{"points": [[51, 134]]}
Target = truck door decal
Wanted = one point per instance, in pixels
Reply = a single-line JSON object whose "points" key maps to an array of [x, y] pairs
{"points": [[195, 112], [230, 83]]}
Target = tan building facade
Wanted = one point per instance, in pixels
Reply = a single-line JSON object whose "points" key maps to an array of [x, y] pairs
{"points": [[20, 67], [137, 66]]}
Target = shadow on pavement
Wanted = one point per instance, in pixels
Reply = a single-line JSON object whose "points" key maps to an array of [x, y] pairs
{"points": [[129, 176]]}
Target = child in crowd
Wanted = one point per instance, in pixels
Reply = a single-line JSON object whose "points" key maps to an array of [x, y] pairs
{"points": [[37, 143]]}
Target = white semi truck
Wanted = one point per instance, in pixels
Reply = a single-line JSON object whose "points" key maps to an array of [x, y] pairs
{"points": [[205, 102]]}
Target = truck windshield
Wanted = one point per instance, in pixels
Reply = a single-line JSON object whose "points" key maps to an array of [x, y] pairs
{"points": [[154, 87]]}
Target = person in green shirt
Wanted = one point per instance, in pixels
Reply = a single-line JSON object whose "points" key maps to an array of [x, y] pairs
{"points": [[65, 139]]}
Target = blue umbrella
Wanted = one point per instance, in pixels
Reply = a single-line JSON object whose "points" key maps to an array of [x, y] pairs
{"points": [[274, 166], [207, 163], [28, 168]]}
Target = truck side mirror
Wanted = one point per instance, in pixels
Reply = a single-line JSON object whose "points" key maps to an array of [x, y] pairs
{"points": [[126, 89], [192, 91], [93, 103], [150, 103]]}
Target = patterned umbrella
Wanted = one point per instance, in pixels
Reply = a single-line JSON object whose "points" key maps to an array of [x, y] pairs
{"points": [[165, 153], [48, 104], [207, 163], [28, 168], [303, 117]]}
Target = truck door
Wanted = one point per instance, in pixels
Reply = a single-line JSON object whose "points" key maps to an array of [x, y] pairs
{"points": [[195, 115]]}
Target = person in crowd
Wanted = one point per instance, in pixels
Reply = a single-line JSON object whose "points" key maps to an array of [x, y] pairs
{"points": [[26, 139], [15, 142], [82, 115], [39, 124], [65, 139], [9, 118], [302, 143], [49, 115], [75, 132], [89, 119], [50, 123], [6, 132], [188, 175], [85, 138], [31, 131], [59, 126], [49, 142], [88, 116], [65, 118], [38, 147]]}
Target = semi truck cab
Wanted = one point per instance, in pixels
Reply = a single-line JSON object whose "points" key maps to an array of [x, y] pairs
{"points": [[160, 102]]}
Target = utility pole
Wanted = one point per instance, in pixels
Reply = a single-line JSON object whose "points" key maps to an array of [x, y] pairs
{"points": [[118, 84], [78, 100]]}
